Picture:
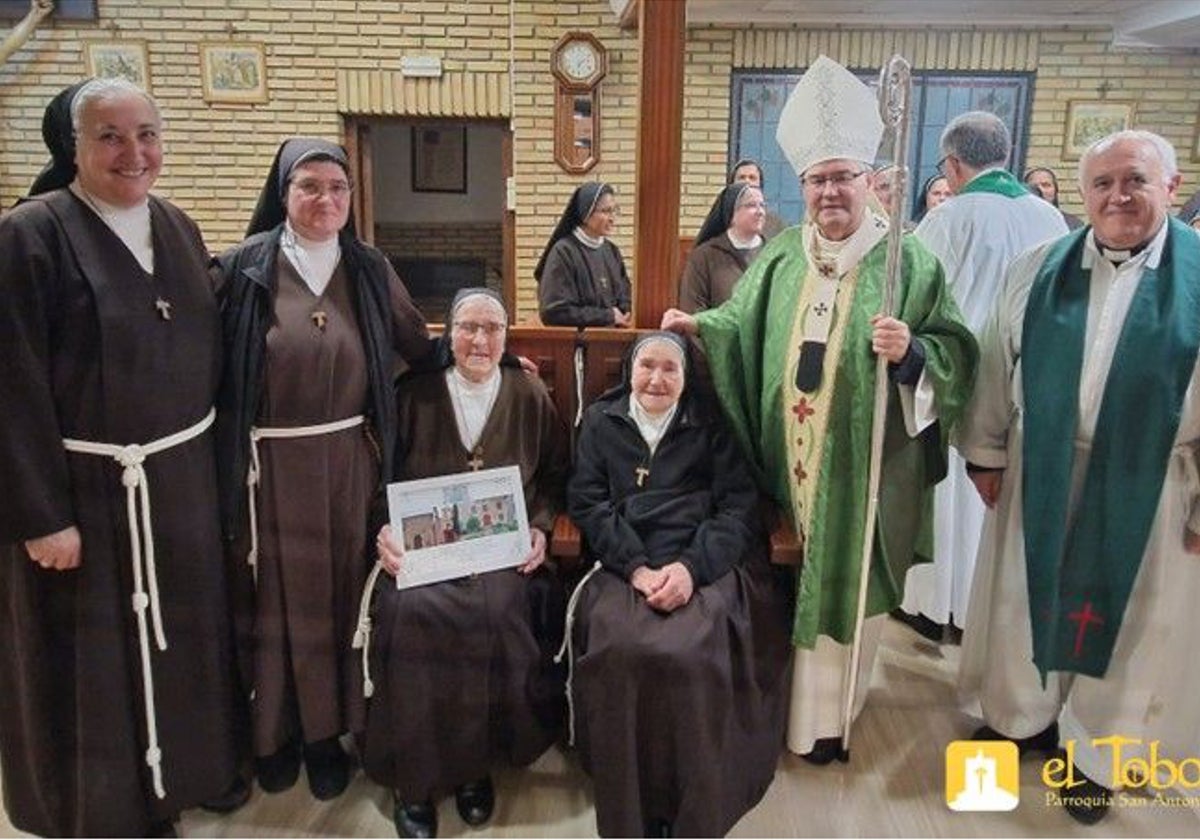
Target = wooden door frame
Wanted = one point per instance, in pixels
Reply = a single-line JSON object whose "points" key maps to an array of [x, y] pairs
{"points": [[356, 137]]}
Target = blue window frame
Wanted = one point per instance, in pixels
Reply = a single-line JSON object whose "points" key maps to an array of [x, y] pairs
{"points": [[757, 99]]}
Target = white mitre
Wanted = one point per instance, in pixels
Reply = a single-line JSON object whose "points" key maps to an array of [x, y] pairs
{"points": [[830, 114]]}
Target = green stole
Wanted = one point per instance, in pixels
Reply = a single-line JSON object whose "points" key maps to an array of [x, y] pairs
{"points": [[998, 181], [1080, 570]]}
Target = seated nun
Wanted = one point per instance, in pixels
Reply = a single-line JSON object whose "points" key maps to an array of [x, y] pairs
{"points": [[581, 275], [680, 631], [728, 241], [460, 674]]}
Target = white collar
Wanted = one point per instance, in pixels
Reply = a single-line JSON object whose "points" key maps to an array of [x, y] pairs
{"points": [[315, 261], [743, 244], [1148, 257], [473, 402], [651, 427], [848, 252], [587, 239], [130, 224]]}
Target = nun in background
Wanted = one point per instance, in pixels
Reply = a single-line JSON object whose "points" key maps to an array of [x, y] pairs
{"points": [[581, 276], [749, 171], [680, 631], [313, 320], [461, 676], [728, 241]]}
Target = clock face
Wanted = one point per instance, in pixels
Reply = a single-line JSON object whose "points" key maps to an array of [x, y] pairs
{"points": [[578, 60]]}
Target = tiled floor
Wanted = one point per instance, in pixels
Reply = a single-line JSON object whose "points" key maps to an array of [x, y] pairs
{"points": [[893, 785]]}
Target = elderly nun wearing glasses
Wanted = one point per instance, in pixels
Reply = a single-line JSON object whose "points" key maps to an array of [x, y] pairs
{"points": [[313, 322], [460, 672]]}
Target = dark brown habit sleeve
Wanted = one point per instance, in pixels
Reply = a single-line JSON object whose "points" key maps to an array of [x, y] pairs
{"points": [[33, 465]]}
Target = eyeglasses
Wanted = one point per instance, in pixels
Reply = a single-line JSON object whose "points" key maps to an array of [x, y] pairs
{"points": [[753, 205], [612, 210], [837, 179], [472, 328], [338, 190], [940, 166]]}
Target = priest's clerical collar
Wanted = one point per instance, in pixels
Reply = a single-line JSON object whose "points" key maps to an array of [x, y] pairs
{"points": [[1147, 251]]}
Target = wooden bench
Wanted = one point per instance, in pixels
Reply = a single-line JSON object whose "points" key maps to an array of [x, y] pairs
{"points": [[599, 353]]}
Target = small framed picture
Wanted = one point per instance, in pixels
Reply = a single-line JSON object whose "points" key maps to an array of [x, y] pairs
{"points": [[233, 72], [1196, 140], [439, 159], [1090, 120], [118, 59]]}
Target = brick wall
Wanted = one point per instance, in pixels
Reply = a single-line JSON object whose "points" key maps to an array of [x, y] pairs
{"points": [[459, 241], [217, 155]]}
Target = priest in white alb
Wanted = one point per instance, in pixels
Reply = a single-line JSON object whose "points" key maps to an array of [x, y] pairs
{"points": [[990, 219], [1082, 437]]}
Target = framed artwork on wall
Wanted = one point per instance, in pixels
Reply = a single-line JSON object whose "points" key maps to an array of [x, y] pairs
{"points": [[118, 59], [439, 159], [1089, 120], [233, 72], [1196, 140]]}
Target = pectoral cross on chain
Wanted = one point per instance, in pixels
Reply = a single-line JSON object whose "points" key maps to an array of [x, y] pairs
{"points": [[318, 319], [476, 460], [641, 473], [164, 308]]}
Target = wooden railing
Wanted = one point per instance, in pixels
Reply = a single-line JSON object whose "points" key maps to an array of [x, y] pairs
{"points": [[599, 352]]}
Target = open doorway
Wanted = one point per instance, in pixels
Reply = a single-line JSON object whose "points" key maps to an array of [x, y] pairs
{"points": [[433, 198]]}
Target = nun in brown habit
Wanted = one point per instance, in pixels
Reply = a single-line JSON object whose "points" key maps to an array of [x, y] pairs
{"points": [[679, 634], [460, 672], [729, 240], [119, 690], [314, 320]]}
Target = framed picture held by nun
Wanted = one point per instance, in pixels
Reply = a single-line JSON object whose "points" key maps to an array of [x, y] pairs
{"points": [[118, 59], [233, 72]]}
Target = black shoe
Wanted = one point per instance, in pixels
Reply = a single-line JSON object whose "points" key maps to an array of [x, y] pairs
{"points": [[162, 828], [1045, 741], [658, 828], [1088, 801], [328, 768], [278, 771], [475, 801], [921, 623], [415, 821], [824, 751], [233, 798]]}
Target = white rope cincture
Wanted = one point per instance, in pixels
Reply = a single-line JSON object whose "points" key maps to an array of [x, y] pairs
{"points": [[578, 383], [362, 631], [132, 458], [254, 473], [567, 649]]}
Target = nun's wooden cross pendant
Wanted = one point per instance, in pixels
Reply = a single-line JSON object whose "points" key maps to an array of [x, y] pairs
{"points": [[641, 473], [164, 309], [476, 460], [318, 319]]}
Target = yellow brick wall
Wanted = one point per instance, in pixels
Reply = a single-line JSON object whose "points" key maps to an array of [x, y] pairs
{"points": [[1069, 63], [218, 154]]}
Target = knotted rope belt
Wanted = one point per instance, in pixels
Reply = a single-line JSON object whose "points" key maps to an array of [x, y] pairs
{"points": [[254, 473], [132, 458]]}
